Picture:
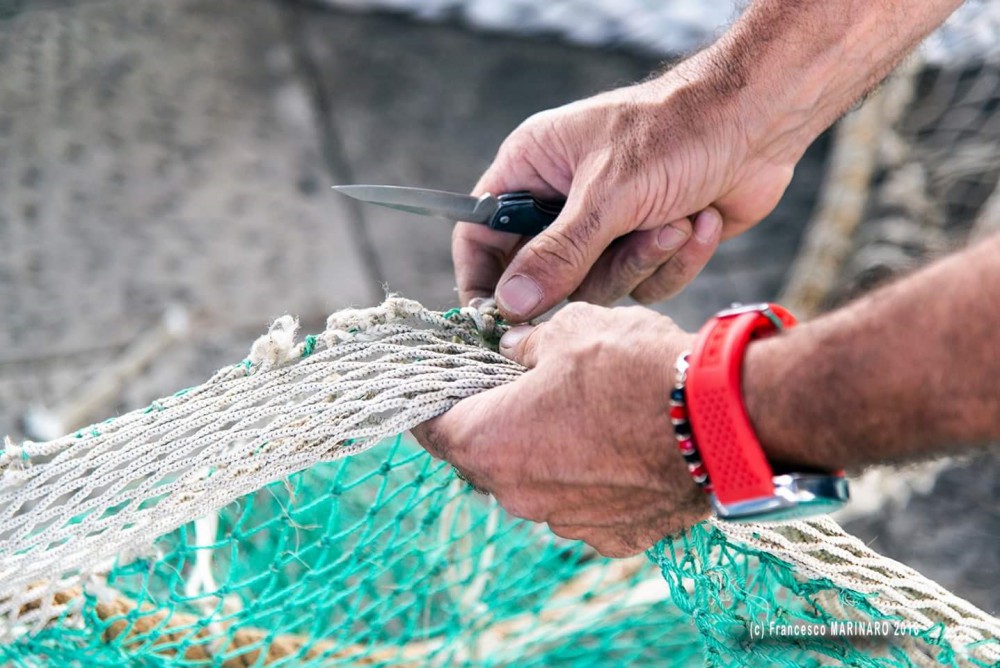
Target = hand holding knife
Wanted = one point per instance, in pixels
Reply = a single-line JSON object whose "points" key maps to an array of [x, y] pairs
{"points": [[515, 212]]}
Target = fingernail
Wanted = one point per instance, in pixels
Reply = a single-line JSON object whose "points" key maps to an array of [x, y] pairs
{"points": [[707, 225], [519, 295], [670, 238], [514, 336]]}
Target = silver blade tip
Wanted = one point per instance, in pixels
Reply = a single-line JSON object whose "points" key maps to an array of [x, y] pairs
{"points": [[364, 193]]}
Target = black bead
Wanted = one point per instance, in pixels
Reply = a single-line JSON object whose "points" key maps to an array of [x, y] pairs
{"points": [[691, 457], [683, 429], [677, 394]]}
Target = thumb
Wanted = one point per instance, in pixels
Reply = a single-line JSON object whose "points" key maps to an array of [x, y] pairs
{"points": [[551, 266], [480, 253], [521, 345]]}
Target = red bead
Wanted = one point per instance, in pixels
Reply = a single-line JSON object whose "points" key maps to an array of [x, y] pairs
{"points": [[698, 471], [678, 413], [686, 446], [707, 487]]}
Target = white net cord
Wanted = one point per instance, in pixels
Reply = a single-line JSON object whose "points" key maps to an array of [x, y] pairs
{"points": [[72, 506]]}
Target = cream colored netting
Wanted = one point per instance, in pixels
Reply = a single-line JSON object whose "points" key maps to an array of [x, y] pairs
{"points": [[79, 512]]}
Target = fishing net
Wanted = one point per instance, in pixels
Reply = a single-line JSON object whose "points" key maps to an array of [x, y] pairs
{"points": [[913, 176], [275, 516]]}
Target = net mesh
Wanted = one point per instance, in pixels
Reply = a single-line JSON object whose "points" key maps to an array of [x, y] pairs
{"points": [[913, 175], [275, 516]]}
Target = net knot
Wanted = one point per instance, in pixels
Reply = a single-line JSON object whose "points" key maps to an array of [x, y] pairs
{"points": [[346, 324], [14, 461], [277, 346], [484, 315]]}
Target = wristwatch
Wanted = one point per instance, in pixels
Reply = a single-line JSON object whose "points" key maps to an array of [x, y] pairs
{"points": [[715, 435]]}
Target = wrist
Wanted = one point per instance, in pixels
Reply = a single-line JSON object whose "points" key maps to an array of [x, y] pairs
{"points": [[797, 67], [762, 387], [788, 414], [717, 437]]}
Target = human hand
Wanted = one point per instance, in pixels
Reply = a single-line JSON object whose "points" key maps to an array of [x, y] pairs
{"points": [[582, 440], [646, 171]]}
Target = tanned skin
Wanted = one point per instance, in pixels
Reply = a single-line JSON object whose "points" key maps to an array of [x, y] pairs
{"points": [[656, 175], [583, 442], [910, 371], [721, 131]]}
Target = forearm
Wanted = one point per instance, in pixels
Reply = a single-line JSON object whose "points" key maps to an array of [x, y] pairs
{"points": [[794, 66], [905, 372]]}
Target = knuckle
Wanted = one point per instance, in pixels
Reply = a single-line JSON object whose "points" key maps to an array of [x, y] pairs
{"points": [[634, 540], [607, 547], [487, 468], [612, 546], [472, 480], [516, 150], [461, 233], [536, 119], [558, 250], [559, 531], [666, 282], [433, 439], [520, 505], [540, 340], [650, 291], [534, 342], [568, 531], [572, 311], [584, 232], [475, 464], [527, 139], [641, 314], [573, 318], [643, 297], [636, 262], [678, 265], [578, 357]]}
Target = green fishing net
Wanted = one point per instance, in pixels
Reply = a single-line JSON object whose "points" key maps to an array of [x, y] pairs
{"points": [[382, 558], [371, 552]]}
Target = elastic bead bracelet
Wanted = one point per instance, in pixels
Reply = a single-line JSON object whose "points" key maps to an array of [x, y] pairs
{"points": [[682, 426]]}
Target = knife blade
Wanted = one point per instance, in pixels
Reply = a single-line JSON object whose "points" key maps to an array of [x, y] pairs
{"points": [[515, 212]]}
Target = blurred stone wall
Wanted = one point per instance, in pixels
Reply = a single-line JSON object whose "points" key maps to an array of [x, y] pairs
{"points": [[180, 153]]}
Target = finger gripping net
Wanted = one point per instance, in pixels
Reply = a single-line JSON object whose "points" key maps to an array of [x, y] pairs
{"points": [[250, 521]]}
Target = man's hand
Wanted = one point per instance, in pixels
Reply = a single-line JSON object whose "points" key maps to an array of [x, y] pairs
{"points": [[583, 440], [638, 167]]}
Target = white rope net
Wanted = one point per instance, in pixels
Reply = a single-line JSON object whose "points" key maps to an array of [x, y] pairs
{"points": [[74, 507]]}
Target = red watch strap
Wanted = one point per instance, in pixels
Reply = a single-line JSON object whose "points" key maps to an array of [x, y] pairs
{"points": [[726, 440]]}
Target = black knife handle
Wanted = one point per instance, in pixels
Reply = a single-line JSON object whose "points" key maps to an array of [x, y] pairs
{"points": [[520, 213]]}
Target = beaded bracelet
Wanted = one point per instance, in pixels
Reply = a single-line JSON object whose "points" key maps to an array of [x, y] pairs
{"points": [[682, 426]]}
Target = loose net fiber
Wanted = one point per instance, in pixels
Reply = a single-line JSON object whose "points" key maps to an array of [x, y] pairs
{"points": [[275, 516]]}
